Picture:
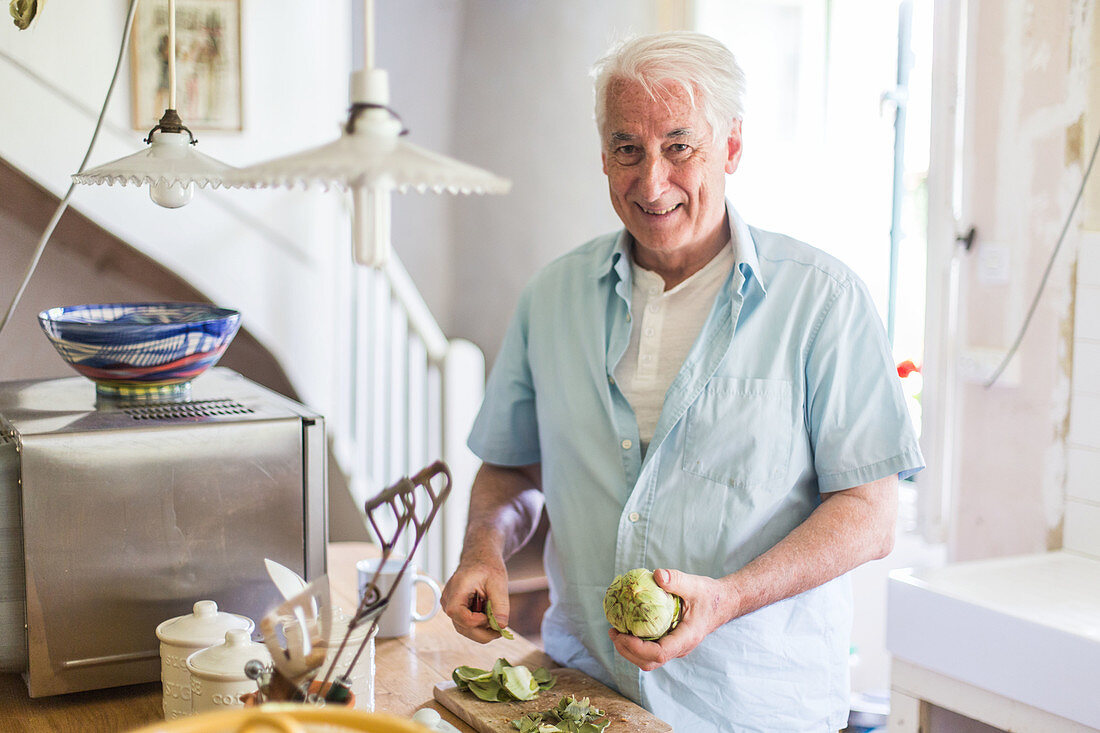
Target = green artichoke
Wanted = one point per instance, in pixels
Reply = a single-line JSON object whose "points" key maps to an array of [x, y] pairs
{"points": [[635, 604]]}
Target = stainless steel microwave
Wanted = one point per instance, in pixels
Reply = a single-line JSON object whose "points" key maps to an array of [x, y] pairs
{"points": [[116, 517]]}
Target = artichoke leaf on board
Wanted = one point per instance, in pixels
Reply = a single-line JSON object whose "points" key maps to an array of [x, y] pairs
{"points": [[504, 682]]}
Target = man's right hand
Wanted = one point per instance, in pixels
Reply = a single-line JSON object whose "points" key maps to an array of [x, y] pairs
{"points": [[505, 503], [464, 597]]}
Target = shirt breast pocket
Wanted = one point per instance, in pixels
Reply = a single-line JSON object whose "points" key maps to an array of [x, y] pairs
{"points": [[739, 432]]}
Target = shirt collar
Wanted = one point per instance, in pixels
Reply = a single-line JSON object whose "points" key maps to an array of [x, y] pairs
{"points": [[617, 258], [744, 250]]}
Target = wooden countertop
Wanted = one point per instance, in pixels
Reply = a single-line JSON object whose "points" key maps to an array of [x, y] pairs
{"points": [[407, 669]]}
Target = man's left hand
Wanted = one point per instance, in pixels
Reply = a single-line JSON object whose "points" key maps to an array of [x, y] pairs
{"points": [[707, 605]]}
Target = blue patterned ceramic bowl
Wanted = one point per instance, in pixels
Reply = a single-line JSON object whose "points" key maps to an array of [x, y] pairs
{"points": [[141, 350]]}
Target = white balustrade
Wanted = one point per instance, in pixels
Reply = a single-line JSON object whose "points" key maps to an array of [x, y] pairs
{"points": [[414, 395]]}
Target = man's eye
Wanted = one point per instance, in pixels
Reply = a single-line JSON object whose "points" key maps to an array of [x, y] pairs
{"points": [[679, 150], [628, 154]]}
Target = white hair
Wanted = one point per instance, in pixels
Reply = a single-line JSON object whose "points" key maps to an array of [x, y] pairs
{"points": [[702, 66]]}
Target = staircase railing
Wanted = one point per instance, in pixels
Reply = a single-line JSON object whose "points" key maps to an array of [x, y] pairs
{"points": [[413, 394]]}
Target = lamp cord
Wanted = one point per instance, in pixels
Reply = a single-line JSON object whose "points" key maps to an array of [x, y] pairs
{"points": [[171, 54], [64, 203], [1046, 274]]}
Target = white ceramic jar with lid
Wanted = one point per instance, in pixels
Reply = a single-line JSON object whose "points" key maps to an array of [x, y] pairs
{"points": [[217, 673], [182, 636]]}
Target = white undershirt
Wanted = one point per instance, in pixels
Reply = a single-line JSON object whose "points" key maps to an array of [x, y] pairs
{"points": [[666, 324]]}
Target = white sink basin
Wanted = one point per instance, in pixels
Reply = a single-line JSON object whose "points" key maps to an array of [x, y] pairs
{"points": [[1026, 628]]}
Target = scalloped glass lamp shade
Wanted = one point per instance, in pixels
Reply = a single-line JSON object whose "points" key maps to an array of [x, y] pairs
{"points": [[369, 160], [141, 351], [371, 163], [169, 165]]}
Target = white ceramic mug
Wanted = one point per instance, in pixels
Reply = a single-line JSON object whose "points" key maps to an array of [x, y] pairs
{"points": [[399, 616]]}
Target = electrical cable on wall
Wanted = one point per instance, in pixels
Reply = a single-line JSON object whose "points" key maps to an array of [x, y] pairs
{"points": [[64, 203], [1046, 274]]}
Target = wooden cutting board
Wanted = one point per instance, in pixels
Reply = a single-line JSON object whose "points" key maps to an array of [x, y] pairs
{"points": [[497, 717]]}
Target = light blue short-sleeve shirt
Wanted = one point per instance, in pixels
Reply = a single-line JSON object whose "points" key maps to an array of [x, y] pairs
{"points": [[789, 391]]}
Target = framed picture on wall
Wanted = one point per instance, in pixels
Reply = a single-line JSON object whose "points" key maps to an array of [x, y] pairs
{"points": [[208, 64]]}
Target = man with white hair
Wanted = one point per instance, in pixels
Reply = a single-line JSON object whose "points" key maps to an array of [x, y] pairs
{"points": [[697, 396]]}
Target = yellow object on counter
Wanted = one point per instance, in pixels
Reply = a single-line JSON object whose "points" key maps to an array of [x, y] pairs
{"points": [[287, 718]]}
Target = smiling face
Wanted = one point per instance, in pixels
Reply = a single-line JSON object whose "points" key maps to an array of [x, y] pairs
{"points": [[666, 175]]}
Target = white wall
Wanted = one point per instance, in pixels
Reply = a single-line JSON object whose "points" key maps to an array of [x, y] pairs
{"points": [[534, 124], [1082, 518], [1023, 158], [503, 85], [418, 43], [1082, 488]]}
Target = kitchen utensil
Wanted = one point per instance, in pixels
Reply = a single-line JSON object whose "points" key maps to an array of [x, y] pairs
{"points": [[218, 676], [303, 623], [141, 351], [182, 636], [496, 717], [400, 613], [401, 500], [286, 580], [296, 665]]}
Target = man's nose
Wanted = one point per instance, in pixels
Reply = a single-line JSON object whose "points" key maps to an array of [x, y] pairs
{"points": [[654, 178]]}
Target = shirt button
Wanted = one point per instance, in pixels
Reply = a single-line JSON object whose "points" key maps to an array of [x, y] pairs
{"points": [[654, 308], [634, 516], [626, 444], [649, 332]]}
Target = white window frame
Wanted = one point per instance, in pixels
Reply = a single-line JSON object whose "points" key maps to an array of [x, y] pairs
{"points": [[944, 287]]}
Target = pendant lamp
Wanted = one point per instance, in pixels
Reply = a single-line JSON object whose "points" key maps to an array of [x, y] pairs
{"points": [[371, 160], [170, 165]]}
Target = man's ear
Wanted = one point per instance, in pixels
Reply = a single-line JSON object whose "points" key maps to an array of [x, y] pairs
{"points": [[733, 147], [603, 161]]}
